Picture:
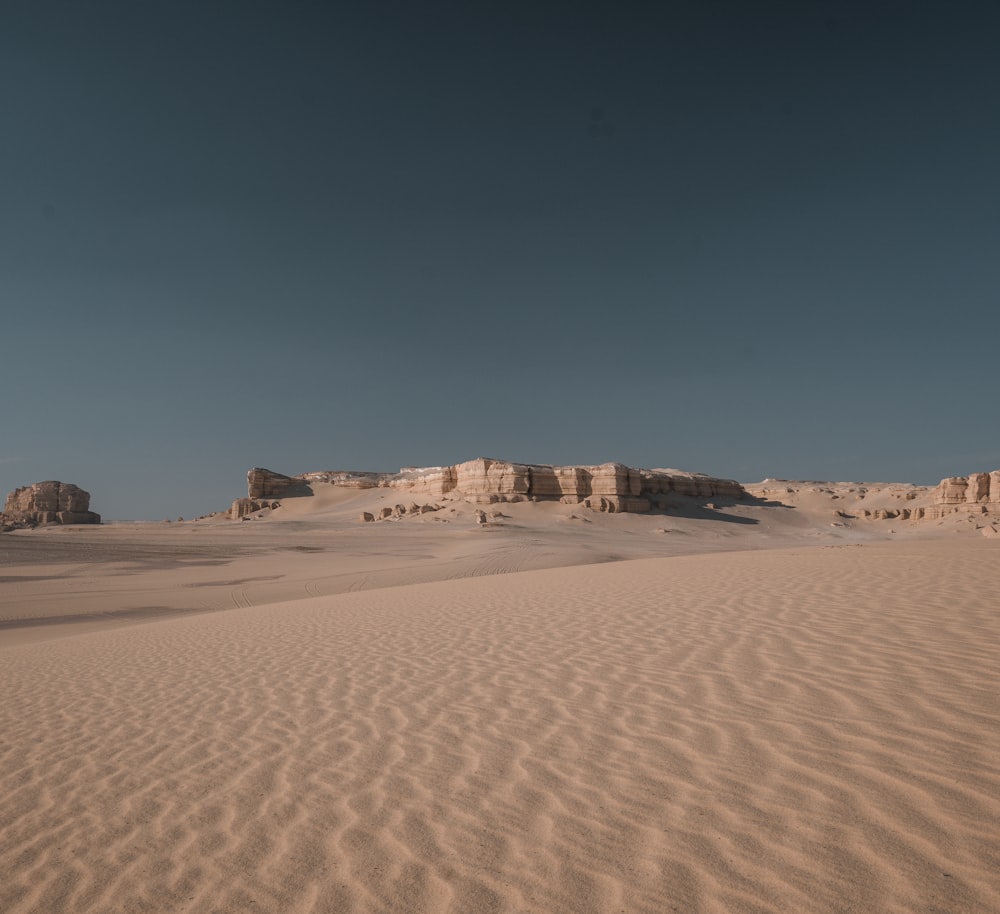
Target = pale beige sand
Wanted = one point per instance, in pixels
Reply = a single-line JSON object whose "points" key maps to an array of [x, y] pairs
{"points": [[314, 546], [802, 730]]}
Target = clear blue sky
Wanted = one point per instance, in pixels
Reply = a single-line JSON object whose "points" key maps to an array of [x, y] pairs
{"points": [[749, 239]]}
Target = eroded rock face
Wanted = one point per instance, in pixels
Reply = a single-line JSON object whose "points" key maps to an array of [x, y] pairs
{"points": [[610, 487], [263, 483], [398, 511], [613, 504], [423, 480], [974, 489], [484, 476], [901, 513], [49, 502], [243, 507], [691, 485], [575, 483], [951, 491]]}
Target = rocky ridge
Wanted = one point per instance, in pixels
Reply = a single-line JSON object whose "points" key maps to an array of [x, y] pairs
{"points": [[977, 493], [48, 502], [975, 489], [610, 487], [973, 495]]}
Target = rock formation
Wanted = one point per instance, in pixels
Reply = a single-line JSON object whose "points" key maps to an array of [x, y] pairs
{"points": [[491, 477], [606, 487], [977, 493], [49, 502], [900, 513], [263, 483], [398, 511], [244, 507], [975, 489]]}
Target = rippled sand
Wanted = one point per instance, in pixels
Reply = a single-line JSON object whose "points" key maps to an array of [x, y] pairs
{"points": [[800, 730]]}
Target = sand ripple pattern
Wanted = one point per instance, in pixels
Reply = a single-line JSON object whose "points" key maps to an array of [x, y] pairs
{"points": [[802, 731]]}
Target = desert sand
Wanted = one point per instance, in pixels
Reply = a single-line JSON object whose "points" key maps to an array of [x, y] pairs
{"points": [[743, 709]]}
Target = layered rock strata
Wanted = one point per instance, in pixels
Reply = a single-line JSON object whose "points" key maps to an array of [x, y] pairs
{"points": [[974, 489], [397, 511], [243, 507], [901, 513], [263, 483], [607, 487], [49, 502]]}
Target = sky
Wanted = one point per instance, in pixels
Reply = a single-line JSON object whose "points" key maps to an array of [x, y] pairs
{"points": [[751, 239]]}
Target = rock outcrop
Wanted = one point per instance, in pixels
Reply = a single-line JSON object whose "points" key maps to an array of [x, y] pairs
{"points": [[243, 507], [608, 487], [900, 513], [263, 483], [49, 502], [492, 477], [396, 512], [975, 494], [975, 489]]}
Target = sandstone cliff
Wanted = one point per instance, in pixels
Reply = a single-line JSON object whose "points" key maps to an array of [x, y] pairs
{"points": [[973, 495], [243, 507], [975, 489], [263, 483], [606, 487], [49, 502]]}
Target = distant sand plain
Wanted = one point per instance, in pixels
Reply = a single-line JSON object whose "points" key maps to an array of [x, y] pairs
{"points": [[735, 711]]}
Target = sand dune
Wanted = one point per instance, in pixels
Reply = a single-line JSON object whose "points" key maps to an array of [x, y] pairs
{"points": [[316, 546], [808, 730]]}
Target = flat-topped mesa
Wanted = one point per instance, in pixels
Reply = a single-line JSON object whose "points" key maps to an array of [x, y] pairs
{"points": [[690, 485], [423, 480], [49, 502], [263, 483], [486, 477], [974, 489], [606, 487]]}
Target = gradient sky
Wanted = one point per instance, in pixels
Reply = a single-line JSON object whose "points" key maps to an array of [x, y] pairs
{"points": [[745, 238]]}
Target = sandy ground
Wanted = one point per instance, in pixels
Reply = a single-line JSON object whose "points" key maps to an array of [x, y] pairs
{"points": [[727, 712]]}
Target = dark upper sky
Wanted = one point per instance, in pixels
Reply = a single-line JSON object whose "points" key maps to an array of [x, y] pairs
{"points": [[750, 239]]}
